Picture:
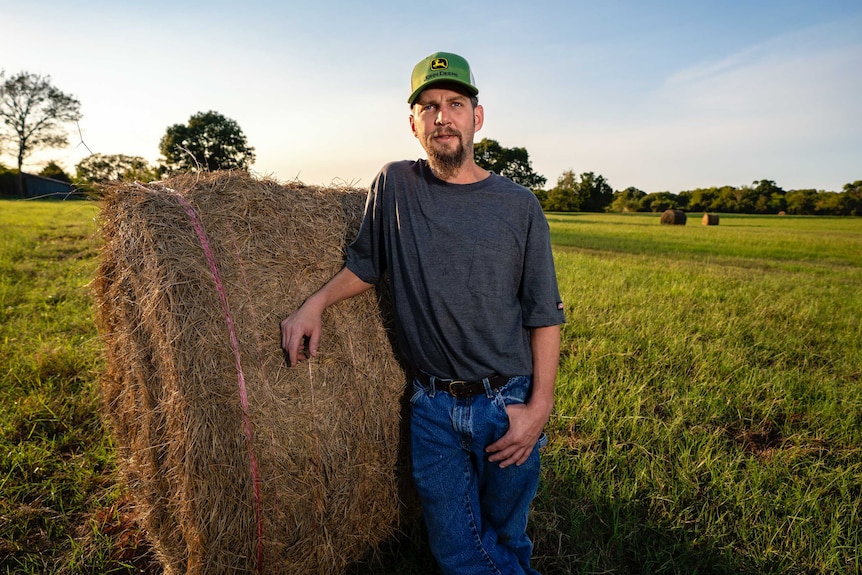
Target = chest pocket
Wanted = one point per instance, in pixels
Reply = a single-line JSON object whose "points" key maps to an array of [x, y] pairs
{"points": [[494, 270]]}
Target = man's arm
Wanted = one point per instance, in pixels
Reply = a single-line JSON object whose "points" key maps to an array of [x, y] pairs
{"points": [[306, 321], [526, 421]]}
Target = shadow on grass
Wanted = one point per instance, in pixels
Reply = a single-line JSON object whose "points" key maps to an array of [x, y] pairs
{"points": [[573, 535], [581, 536]]}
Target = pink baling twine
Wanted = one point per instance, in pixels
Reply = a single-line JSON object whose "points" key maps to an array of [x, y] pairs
{"points": [[243, 394]]}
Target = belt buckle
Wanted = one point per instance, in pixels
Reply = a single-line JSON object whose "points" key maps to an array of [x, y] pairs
{"points": [[455, 382]]}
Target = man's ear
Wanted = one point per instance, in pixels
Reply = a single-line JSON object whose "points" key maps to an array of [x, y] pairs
{"points": [[413, 124], [479, 117]]}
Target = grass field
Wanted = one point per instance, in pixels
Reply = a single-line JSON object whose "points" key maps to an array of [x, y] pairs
{"points": [[709, 405]]}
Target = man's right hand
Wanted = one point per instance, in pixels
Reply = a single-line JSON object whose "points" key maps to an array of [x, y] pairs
{"points": [[305, 324], [300, 333]]}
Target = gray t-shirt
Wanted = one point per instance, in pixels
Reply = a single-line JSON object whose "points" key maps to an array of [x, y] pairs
{"points": [[470, 266]]}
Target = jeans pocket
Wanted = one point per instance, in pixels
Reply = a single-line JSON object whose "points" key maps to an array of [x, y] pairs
{"points": [[515, 391], [419, 391], [543, 440]]}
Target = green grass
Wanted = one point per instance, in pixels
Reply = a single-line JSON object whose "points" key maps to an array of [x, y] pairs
{"points": [[57, 469], [709, 410], [709, 405]]}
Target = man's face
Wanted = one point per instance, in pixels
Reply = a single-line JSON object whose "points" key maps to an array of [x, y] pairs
{"points": [[444, 122]]}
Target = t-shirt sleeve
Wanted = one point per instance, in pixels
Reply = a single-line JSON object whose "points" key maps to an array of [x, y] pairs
{"points": [[365, 256], [541, 304]]}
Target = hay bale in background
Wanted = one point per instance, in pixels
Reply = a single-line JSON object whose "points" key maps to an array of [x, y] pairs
{"points": [[710, 219], [673, 217], [302, 480]]}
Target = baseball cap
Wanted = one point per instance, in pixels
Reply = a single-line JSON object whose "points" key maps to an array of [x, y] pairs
{"points": [[441, 67]]}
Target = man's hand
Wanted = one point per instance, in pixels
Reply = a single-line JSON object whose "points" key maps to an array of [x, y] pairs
{"points": [[300, 331], [526, 421], [300, 334], [525, 428]]}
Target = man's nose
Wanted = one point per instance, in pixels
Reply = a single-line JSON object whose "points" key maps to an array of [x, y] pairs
{"points": [[442, 117]]}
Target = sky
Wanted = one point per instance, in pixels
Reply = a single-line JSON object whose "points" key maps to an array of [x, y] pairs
{"points": [[659, 95]]}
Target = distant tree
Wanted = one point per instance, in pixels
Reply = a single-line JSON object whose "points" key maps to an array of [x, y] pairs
{"points": [[587, 193], [767, 197], [744, 200], [542, 196], [699, 199], [853, 199], [33, 113], [627, 200], [55, 172], [596, 191], [209, 142], [565, 196], [801, 202], [659, 202], [514, 163], [829, 204], [102, 168], [724, 200]]}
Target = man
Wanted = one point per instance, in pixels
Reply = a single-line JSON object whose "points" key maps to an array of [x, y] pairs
{"points": [[478, 316]]}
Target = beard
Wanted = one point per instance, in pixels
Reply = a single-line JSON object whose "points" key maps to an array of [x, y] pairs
{"points": [[445, 163]]}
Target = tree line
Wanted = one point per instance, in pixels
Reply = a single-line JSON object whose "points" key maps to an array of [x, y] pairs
{"points": [[591, 192], [33, 113]]}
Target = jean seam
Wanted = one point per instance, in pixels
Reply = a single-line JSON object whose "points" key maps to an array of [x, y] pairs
{"points": [[477, 537]]}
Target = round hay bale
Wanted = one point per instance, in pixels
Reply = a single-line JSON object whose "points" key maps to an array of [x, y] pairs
{"points": [[710, 219], [238, 463], [782, 213], [673, 218]]}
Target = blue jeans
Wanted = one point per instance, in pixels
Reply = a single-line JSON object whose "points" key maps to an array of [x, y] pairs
{"points": [[476, 512]]}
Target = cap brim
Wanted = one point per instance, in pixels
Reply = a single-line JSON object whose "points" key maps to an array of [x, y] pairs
{"points": [[456, 85]]}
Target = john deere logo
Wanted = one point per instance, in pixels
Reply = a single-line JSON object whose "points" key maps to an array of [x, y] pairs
{"points": [[439, 64]]}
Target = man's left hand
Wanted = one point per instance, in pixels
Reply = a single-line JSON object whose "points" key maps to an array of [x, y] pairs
{"points": [[525, 428]]}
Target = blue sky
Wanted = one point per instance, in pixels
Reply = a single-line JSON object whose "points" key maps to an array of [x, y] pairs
{"points": [[663, 96]]}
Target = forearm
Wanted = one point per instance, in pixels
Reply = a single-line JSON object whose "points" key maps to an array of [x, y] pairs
{"points": [[305, 323], [545, 343], [343, 285], [527, 420]]}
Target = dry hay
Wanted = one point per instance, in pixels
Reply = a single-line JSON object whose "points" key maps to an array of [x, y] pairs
{"points": [[673, 217], [303, 479], [709, 219]]}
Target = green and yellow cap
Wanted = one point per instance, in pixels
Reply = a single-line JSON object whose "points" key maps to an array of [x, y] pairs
{"points": [[441, 67]]}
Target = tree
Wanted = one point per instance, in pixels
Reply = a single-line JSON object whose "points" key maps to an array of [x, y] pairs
{"points": [[597, 194], [853, 200], [627, 200], [102, 168], [659, 202], [565, 196], [55, 172], [801, 202], [33, 113], [699, 199], [209, 141], [724, 200], [590, 193], [765, 197], [514, 163]]}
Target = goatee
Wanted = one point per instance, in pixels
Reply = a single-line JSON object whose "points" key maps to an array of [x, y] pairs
{"points": [[446, 164]]}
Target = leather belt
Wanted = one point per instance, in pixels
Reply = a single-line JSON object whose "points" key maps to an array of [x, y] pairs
{"points": [[462, 388]]}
